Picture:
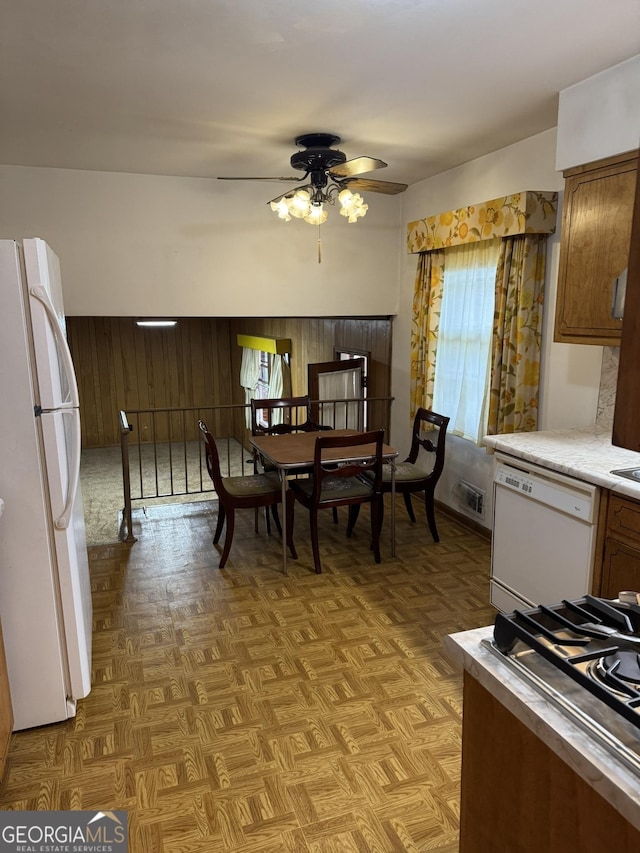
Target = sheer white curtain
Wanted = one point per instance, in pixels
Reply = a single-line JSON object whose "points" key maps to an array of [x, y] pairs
{"points": [[464, 337], [279, 383], [249, 375]]}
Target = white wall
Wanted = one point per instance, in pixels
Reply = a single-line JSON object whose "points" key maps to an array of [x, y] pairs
{"points": [[143, 245], [570, 374], [600, 116]]}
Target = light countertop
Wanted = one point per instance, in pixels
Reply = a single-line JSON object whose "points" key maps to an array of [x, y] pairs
{"points": [[612, 779], [585, 453]]}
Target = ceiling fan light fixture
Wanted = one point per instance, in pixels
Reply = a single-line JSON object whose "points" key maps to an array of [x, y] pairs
{"points": [[352, 205], [281, 207], [329, 175], [300, 204], [316, 215]]}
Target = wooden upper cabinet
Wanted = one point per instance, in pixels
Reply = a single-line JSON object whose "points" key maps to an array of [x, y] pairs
{"points": [[594, 248], [626, 418]]}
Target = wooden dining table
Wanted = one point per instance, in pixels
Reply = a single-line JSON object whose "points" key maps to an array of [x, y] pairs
{"points": [[290, 453]]}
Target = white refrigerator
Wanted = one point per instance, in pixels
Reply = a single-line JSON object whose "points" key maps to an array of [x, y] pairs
{"points": [[45, 594]]}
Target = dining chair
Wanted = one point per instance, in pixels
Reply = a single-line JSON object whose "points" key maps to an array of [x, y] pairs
{"points": [[335, 484], [248, 492], [293, 410], [289, 407], [413, 475]]}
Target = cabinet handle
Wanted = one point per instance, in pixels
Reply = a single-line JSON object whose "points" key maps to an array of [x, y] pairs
{"points": [[618, 296]]}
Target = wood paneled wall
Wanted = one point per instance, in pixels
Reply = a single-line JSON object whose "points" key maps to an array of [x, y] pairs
{"points": [[314, 340], [123, 366], [197, 362]]}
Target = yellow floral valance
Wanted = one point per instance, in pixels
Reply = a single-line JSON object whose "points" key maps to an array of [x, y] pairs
{"points": [[529, 212]]}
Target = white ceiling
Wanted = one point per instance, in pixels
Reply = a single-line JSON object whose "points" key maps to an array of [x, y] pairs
{"points": [[207, 88]]}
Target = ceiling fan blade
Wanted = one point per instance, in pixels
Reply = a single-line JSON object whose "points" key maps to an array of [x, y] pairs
{"points": [[294, 178], [357, 166], [289, 193], [386, 187]]}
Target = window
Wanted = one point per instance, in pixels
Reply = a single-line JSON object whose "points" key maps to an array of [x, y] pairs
{"points": [[264, 372], [462, 368]]}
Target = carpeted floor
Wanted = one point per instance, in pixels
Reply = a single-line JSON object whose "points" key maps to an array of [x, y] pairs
{"points": [[181, 477]]}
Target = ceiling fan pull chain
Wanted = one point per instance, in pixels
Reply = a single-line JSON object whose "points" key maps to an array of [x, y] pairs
{"points": [[319, 247]]}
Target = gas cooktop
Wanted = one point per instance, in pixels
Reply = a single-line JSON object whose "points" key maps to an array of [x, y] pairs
{"points": [[584, 655]]}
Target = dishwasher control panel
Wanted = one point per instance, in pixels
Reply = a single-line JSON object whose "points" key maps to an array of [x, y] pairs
{"points": [[572, 497], [514, 479]]}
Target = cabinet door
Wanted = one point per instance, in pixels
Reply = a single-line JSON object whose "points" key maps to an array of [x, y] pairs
{"points": [[594, 248], [518, 796], [623, 520], [621, 568], [621, 565]]}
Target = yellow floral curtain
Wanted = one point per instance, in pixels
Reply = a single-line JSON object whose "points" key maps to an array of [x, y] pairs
{"points": [[517, 335], [427, 301], [522, 221], [517, 332]]}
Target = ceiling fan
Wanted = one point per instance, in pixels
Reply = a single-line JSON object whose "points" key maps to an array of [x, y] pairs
{"points": [[330, 176]]}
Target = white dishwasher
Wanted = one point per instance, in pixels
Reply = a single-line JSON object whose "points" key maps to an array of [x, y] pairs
{"points": [[544, 535]]}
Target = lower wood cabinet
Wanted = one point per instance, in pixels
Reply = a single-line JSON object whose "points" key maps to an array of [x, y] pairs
{"points": [[621, 569], [621, 563], [518, 796]]}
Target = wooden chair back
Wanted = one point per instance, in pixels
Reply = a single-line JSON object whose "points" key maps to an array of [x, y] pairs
{"points": [[324, 465], [335, 483], [425, 440], [296, 416], [410, 478], [212, 458]]}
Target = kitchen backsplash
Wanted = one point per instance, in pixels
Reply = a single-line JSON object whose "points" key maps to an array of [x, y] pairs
{"points": [[608, 382]]}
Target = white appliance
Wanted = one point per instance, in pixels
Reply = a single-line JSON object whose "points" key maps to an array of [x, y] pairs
{"points": [[45, 596], [544, 535]]}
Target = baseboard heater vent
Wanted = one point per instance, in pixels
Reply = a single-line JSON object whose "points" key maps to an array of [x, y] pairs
{"points": [[470, 498]]}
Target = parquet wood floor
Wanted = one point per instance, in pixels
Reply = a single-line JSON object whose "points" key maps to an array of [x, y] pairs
{"points": [[241, 710]]}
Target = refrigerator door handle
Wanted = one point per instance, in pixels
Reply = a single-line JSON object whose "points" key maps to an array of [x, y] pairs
{"points": [[42, 296], [62, 522], [70, 408]]}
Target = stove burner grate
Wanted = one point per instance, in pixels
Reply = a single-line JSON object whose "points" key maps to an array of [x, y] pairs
{"points": [[619, 670], [593, 641]]}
